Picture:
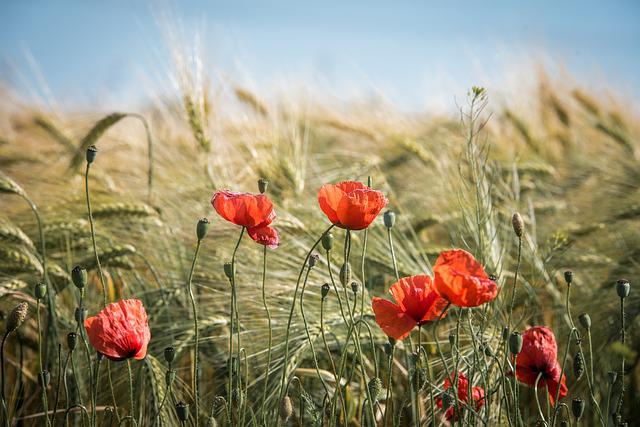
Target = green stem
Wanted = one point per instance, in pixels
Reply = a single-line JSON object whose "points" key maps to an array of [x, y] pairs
{"points": [[132, 406], [4, 402], [82, 331], [45, 405], [393, 254], [194, 309], [233, 315], [333, 365], [388, 398], [266, 309], [113, 394], [55, 404], [535, 390], [93, 237], [622, 339]]}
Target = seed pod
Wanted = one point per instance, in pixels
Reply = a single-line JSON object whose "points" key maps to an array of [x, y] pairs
{"points": [[72, 340], [92, 152], [182, 409], [313, 260], [452, 338], [286, 408], [375, 387], [578, 365], [577, 407], [44, 378], [622, 288], [389, 219], [515, 343], [41, 290], [585, 321], [229, 270], [169, 354], [325, 290], [202, 228], [169, 377], [263, 184], [327, 241], [79, 276], [518, 224], [568, 277], [80, 314], [17, 317], [355, 287], [612, 376], [345, 274]]}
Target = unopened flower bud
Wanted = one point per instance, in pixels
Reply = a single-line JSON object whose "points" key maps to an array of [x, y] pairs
{"points": [[612, 376], [389, 219], [72, 340], [80, 314], [515, 343], [229, 270], [17, 317], [182, 410], [79, 276], [202, 228], [585, 321], [355, 287], [577, 407], [622, 288], [568, 277], [325, 290], [313, 260], [41, 290], [169, 354], [327, 241], [263, 184], [92, 152], [345, 274], [286, 408], [45, 378], [518, 224], [578, 365], [375, 387]]}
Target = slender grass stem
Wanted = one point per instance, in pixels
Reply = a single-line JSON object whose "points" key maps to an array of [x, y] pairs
{"points": [[194, 309], [4, 402], [43, 386], [55, 402], [333, 365]]}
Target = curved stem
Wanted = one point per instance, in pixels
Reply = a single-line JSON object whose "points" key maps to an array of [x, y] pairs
{"points": [[515, 281], [194, 309], [535, 390], [393, 254], [93, 237], [266, 309], [333, 365], [232, 319]]}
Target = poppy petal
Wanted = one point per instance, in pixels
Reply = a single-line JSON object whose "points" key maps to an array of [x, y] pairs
{"points": [[391, 319], [265, 235], [460, 279]]}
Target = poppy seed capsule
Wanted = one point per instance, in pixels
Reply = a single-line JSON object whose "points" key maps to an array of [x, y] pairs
{"points": [[41, 290], [578, 365], [622, 288], [228, 270], [355, 287], [612, 376], [327, 241], [92, 152], [72, 339], [345, 274], [182, 410], [313, 260], [389, 219], [375, 387], [568, 276], [325, 290], [169, 354], [286, 408], [79, 276], [45, 378], [201, 228], [585, 321], [263, 184], [515, 343], [17, 317], [452, 338], [518, 224], [577, 407]]}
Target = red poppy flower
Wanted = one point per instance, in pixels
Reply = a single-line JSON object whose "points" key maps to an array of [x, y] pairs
{"points": [[265, 235], [460, 279], [244, 209], [120, 331], [540, 355], [477, 395], [351, 204], [417, 304]]}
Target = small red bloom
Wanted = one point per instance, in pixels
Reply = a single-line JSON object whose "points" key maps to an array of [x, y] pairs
{"points": [[120, 331], [265, 235], [417, 304], [477, 395], [351, 204], [540, 354], [460, 279], [244, 209]]}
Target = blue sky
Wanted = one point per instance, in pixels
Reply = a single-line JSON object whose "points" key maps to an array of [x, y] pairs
{"points": [[417, 53]]}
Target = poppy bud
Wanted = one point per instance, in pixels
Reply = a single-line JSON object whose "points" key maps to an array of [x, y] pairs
{"points": [[80, 314], [613, 376], [263, 184], [505, 333], [578, 365], [518, 224], [17, 316], [72, 339], [375, 387], [345, 274], [45, 378], [169, 377], [585, 321], [622, 288], [169, 354], [327, 241], [515, 343], [325, 290], [389, 219], [286, 408], [229, 270], [313, 260], [568, 277], [92, 152], [41, 290], [79, 276], [201, 228], [577, 407], [354, 287], [182, 409], [452, 338]]}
